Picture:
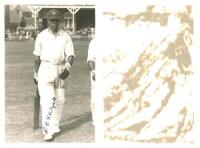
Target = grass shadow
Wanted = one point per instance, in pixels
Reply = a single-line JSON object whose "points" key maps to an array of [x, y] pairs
{"points": [[77, 122]]}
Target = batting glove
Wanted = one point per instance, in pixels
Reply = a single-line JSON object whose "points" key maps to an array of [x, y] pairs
{"points": [[65, 71], [68, 66], [35, 77]]}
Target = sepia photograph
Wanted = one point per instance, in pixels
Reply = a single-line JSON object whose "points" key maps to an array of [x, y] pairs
{"points": [[49, 72]]}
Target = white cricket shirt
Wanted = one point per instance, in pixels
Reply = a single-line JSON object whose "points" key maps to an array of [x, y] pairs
{"points": [[53, 48]]}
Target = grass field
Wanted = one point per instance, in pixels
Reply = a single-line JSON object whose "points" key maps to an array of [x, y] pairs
{"points": [[76, 123]]}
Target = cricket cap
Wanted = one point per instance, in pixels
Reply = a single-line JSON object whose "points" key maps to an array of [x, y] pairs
{"points": [[53, 14]]}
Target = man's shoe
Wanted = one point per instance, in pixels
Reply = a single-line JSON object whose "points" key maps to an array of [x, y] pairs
{"points": [[48, 137], [56, 130]]}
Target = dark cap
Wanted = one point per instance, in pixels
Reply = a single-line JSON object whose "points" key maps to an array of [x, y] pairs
{"points": [[53, 14]]}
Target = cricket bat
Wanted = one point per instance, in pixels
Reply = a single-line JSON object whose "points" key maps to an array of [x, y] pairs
{"points": [[36, 113]]}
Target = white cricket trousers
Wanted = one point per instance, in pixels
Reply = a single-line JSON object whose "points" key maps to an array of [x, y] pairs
{"points": [[52, 96], [92, 101]]}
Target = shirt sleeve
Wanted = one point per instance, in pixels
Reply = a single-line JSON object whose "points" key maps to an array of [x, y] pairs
{"points": [[69, 48], [91, 51], [37, 50]]}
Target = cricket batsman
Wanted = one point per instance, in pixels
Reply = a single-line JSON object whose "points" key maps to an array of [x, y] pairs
{"points": [[91, 64], [54, 55]]}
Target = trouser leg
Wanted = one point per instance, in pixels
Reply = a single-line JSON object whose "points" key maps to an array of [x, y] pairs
{"points": [[92, 101], [47, 102], [59, 103]]}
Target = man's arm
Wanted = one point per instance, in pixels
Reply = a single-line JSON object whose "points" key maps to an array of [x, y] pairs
{"points": [[37, 53], [70, 59], [91, 65], [69, 62], [37, 65]]}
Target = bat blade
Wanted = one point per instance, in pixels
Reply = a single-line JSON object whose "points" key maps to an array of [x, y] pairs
{"points": [[36, 113]]}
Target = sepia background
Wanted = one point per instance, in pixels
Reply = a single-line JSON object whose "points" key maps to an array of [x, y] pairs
{"points": [[148, 73]]}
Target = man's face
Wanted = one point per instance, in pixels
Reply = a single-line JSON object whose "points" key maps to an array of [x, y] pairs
{"points": [[53, 25]]}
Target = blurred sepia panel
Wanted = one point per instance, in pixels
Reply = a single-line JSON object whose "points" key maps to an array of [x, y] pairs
{"points": [[147, 72]]}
